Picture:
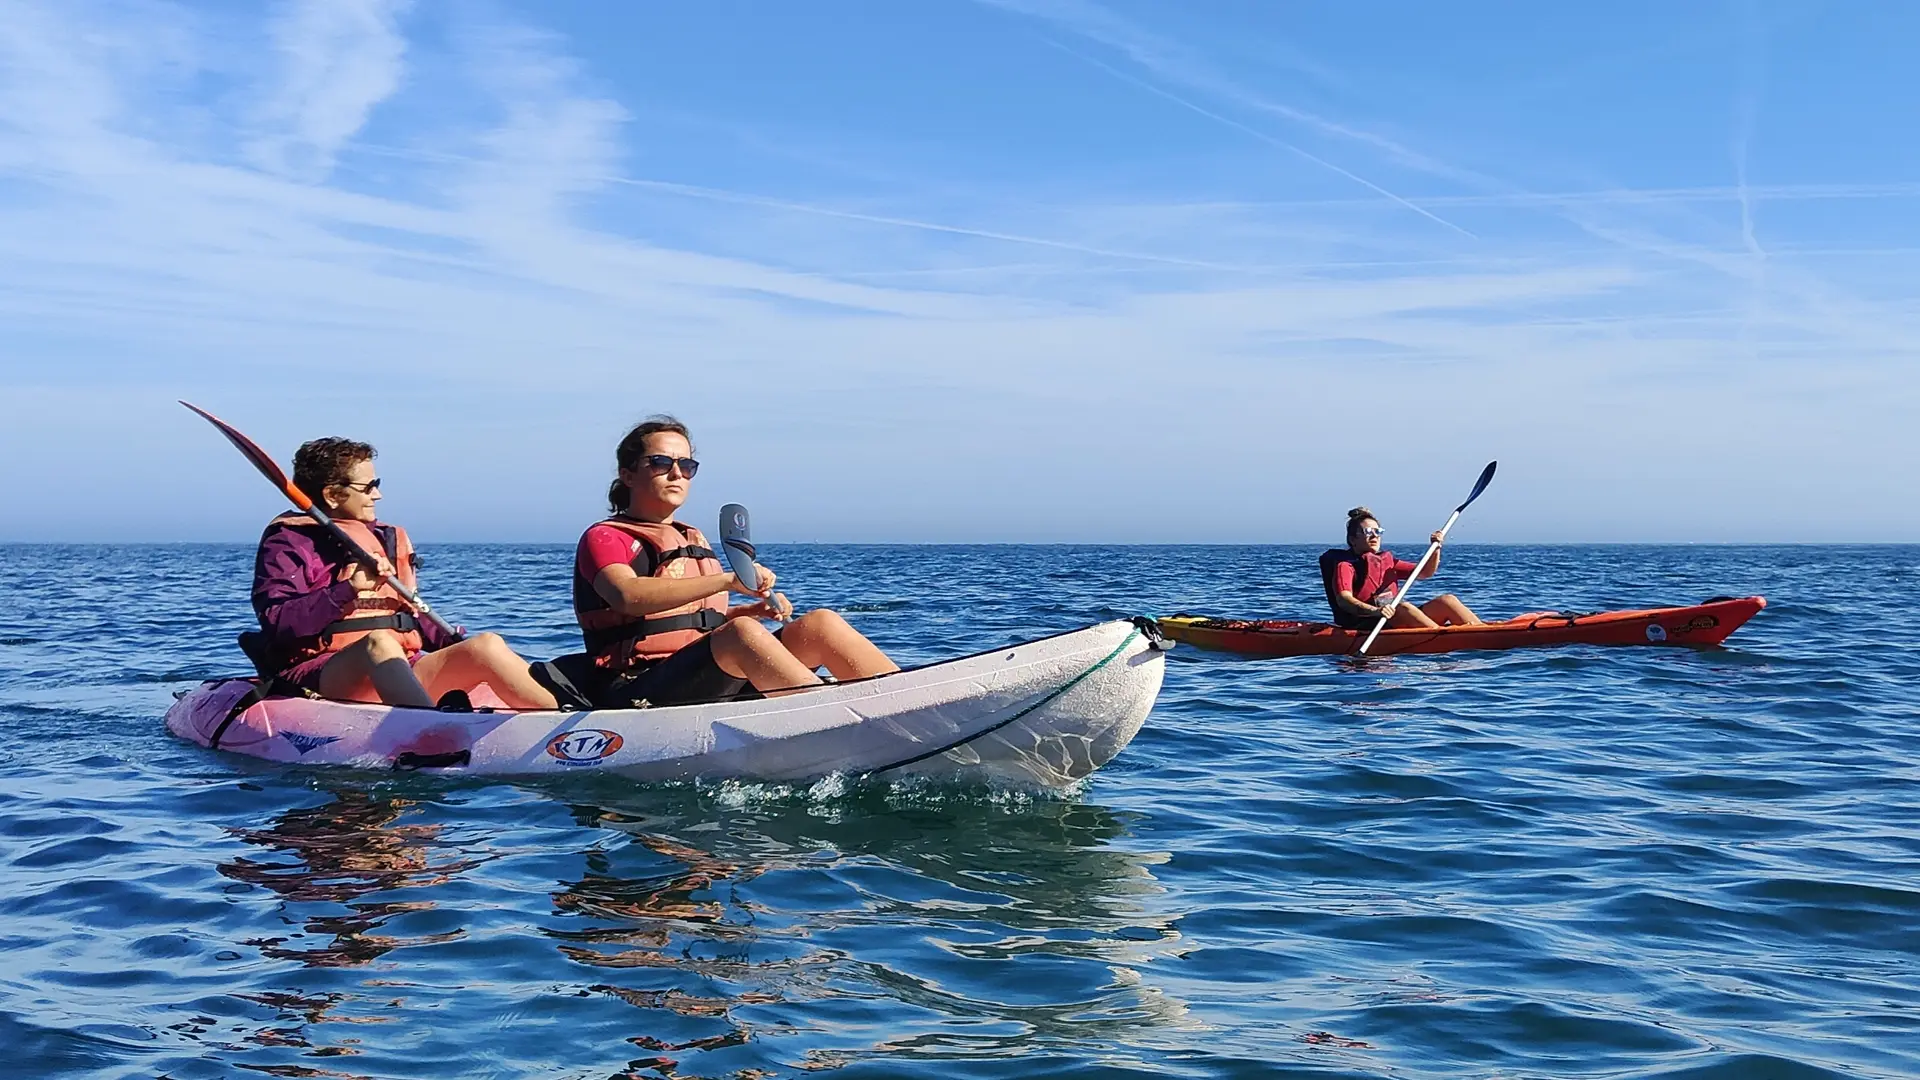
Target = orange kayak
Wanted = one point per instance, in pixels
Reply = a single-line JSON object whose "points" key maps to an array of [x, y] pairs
{"points": [[1701, 624]]}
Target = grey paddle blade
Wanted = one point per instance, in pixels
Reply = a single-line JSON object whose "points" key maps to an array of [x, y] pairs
{"points": [[736, 542]]}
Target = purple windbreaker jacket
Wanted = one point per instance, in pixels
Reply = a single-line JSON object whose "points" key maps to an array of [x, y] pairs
{"points": [[297, 591]]}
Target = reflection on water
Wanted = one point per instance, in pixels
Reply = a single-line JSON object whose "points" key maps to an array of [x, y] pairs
{"points": [[340, 851], [601, 894], [1582, 862], [692, 917], [724, 920]]}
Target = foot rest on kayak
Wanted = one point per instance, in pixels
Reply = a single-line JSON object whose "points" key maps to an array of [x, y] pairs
{"points": [[571, 679]]}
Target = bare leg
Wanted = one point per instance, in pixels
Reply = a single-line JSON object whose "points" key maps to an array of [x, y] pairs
{"points": [[746, 650], [1447, 610], [374, 669], [483, 658], [823, 639], [1408, 617]]}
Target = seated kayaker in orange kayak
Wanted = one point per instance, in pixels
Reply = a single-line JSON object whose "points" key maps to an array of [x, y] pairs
{"points": [[651, 598], [333, 626], [1363, 582]]}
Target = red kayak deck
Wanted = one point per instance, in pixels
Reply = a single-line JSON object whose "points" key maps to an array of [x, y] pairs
{"points": [[1699, 625]]}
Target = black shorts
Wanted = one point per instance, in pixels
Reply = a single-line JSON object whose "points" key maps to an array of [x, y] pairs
{"points": [[688, 677]]}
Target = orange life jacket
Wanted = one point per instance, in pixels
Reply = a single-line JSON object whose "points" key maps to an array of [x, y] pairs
{"points": [[381, 608], [617, 640]]}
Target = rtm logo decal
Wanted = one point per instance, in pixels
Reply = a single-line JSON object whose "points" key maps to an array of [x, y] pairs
{"points": [[1656, 633], [584, 746]]}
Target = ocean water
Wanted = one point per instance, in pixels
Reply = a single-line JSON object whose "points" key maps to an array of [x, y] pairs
{"points": [[1561, 863]]}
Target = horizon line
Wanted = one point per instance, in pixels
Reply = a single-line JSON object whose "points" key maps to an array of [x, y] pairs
{"points": [[1033, 543]]}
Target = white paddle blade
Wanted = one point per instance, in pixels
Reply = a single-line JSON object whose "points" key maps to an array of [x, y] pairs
{"points": [[736, 543]]}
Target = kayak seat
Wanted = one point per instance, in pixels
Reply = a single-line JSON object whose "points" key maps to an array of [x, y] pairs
{"points": [[269, 684], [571, 679], [254, 644]]}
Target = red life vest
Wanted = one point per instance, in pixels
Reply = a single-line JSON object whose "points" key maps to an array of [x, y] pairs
{"points": [[381, 608], [618, 641], [1375, 580]]}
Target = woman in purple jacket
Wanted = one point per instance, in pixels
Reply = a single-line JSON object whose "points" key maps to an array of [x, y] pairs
{"points": [[337, 628]]}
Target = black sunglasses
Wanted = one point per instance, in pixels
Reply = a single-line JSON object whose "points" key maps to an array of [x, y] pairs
{"points": [[663, 463], [370, 486]]}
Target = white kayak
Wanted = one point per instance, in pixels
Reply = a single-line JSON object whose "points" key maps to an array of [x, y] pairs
{"points": [[1042, 713]]}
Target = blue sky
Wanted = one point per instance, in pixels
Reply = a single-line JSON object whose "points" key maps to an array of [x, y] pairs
{"points": [[1018, 270]]}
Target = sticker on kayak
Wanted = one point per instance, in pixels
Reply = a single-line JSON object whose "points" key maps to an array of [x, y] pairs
{"points": [[1656, 633], [583, 746], [308, 743]]}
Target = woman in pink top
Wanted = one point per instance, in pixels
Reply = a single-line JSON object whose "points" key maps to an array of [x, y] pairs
{"points": [[651, 598], [1363, 583]]}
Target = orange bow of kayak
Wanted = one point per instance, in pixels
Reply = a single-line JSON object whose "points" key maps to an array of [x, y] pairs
{"points": [[1699, 625]]}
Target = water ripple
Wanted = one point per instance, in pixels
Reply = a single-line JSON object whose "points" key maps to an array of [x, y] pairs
{"points": [[1569, 863]]}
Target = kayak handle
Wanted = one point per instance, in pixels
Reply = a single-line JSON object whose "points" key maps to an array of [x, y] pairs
{"points": [[408, 760]]}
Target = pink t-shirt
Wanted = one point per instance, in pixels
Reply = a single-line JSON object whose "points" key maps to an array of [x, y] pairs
{"points": [[602, 546], [1384, 573]]}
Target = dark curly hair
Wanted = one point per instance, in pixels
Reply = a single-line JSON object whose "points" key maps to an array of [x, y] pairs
{"points": [[1354, 517], [323, 463], [627, 454]]}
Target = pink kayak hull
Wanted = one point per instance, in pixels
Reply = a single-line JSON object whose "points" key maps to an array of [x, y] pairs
{"points": [[1042, 713]]}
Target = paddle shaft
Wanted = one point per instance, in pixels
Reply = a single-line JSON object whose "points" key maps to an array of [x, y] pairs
{"points": [[1486, 477], [1433, 547], [411, 596], [270, 469]]}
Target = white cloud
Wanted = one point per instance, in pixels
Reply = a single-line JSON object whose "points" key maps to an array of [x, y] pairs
{"points": [[341, 59], [498, 269], [552, 139], [1173, 62]]}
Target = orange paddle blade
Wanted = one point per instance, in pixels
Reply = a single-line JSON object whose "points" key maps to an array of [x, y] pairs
{"points": [[268, 467]]}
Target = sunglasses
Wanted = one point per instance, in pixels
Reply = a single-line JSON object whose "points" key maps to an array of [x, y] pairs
{"points": [[662, 463], [369, 487], [1373, 534]]}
